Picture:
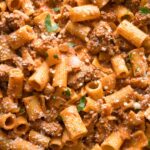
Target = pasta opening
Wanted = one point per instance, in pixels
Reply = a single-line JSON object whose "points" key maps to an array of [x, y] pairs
{"points": [[108, 147], [123, 74], [35, 85], [126, 17], [70, 143], [29, 30], [93, 85], [54, 146], [21, 128], [15, 4], [9, 121]]}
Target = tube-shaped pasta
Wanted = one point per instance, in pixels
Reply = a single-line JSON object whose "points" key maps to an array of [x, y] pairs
{"points": [[53, 57], [91, 105], [27, 7], [8, 105], [40, 77], [147, 114], [15, 84], [73, 122], [131, 33], [79, 30], [56, 143], [33, 107], [83, 13], [119, 97], [109, 82], [7, 121], [82, 2], [66, 139], [119, 66], [39, 139], [100, 3], [40, 18], [112, 142], [124, 13], [61, 74], [94, 89], [143, 2], [138, 61], [4, 141], [96, 147], [13, 4], [20, 144], [2, 6], [21, 126], [20, 37], [138, 141]]}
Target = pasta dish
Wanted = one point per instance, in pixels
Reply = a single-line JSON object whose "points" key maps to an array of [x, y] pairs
{"points": [[74, 74]]}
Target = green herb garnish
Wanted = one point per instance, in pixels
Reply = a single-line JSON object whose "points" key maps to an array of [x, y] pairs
{"points": [[45, 55], [22, 110], [130, 56], [81, 104], [145, 10], [70, 44], [56, 9], [148, 143], [50, 27], [67, 93], [55, 56]]}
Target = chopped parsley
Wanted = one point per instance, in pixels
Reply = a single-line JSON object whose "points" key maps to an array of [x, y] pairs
{"points": [[71, 44], [48, 24], [22, 110], [45, 55], [56, 9], [55, 56], [144, 10], [148, 143], [67, 93], [130, 56], [81, 104]]}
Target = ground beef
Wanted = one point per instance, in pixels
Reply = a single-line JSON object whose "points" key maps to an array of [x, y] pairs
{"points": [[123, 44], [15, 20], [5, 52], [3, 24], [102, 39], [141, 19], [86, 74], [133, 5], [53, 129], [108, 14], [4, 72]]}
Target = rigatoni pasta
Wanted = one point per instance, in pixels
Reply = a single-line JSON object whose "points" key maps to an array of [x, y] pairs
{"points": [[83, 13], [7, 121], [15, 84], [33, 107], [21, 126], [40, 77], [20, 37], [119, 66], [131, 33], [119, 97], [78, 30], [14, 4], [94, 89], [73, 122], [39, 139]]}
